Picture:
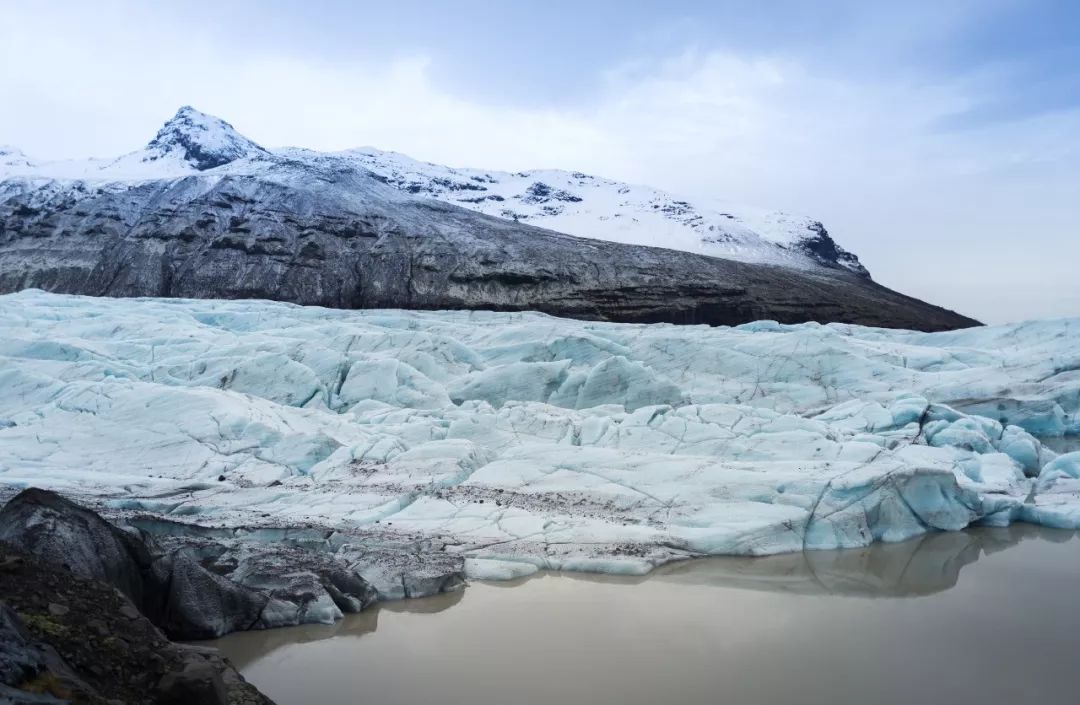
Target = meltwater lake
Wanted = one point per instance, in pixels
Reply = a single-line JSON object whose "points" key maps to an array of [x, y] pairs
{"points": [[980, 616]]}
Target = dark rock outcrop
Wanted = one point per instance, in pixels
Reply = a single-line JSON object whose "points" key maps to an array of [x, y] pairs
{"points": [[65, 638], [54, 529], [323, 232], [192, 588], [201, 140], [197, 684], [199, 604], [24, 660], [820, 245]]}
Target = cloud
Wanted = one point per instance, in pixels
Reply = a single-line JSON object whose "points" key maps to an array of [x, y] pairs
{"points": [[979, 217]]}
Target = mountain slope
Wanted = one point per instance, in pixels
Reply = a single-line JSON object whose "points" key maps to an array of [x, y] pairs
{"points": [[203, 212], [569, 202], [594, 207]]}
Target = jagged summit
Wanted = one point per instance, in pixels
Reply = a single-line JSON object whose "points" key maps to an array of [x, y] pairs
{"points": [[569, 202], [202, 141]]}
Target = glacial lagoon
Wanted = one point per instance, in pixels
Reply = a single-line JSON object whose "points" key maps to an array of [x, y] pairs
{"points": [[985, 616]]}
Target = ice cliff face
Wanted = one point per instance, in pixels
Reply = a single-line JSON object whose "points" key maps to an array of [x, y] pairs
{"points": [[204, 212], [509, 442]]}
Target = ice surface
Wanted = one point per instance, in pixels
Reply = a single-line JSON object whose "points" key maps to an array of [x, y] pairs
{"points": [[521, 441]]}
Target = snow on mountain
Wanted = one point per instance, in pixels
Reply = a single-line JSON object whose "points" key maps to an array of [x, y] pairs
{"points": [[199, 140], [591, 206], [13, 158], [518, 440], [564, 201], [189, 142]]}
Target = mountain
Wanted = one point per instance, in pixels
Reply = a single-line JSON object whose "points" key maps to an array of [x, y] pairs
{"points": [[202, 211], [13, 158], [196, 140], [565, 201], [589, 206]]}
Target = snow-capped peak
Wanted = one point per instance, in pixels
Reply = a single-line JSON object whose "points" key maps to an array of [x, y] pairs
{"points": [[202, 141], [565, 201], [13, 157]]}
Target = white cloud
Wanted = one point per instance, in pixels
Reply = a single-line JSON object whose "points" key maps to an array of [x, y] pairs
{"points": [[979, 220]]}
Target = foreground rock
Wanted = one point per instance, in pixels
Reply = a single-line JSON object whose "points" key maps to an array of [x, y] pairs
{"points": [[47, 526], [68, 639], [187, 219], [194, 587]]}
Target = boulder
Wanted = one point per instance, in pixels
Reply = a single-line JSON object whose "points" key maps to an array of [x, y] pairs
{"points": [[50, 527], [199, 604], [197, 684], [190, 587]]}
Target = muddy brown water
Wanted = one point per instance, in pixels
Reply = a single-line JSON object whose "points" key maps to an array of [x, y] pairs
{"points": [[983, 616]]}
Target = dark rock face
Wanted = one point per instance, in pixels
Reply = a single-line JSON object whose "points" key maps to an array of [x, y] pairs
{"points": [[19, 659], [197, 684], [192, 588], [98, 650], [201, 140], [213, 589], [199, 604], [46, 525], [25, 660], [820, 245], [325, 233]]}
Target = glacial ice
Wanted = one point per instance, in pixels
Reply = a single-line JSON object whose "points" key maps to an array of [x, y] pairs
{"points": [[519, 441]]}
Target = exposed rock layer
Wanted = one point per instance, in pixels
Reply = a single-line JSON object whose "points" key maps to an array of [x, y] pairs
{"points": [[192, 588], [333, 235]]}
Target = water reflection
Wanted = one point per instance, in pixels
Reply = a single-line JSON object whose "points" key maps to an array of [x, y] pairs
{"points": [[923, 566], [982, 617], [248, 646]]}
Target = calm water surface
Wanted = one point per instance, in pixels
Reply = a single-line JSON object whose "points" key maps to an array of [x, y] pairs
{"points": [[985, 616]]}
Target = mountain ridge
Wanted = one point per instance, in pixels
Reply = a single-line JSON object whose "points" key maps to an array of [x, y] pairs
{"points": [[324, 230], [201, 140], [571, 202]]}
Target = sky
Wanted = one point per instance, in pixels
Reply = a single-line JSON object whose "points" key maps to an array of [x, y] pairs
{"points": [[939, 141]]}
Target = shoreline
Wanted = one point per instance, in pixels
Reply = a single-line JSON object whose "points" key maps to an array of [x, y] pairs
{"points": [[699, 637]]}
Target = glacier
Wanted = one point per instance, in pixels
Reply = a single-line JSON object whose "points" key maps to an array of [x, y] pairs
{"points": [[505, 443]]}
